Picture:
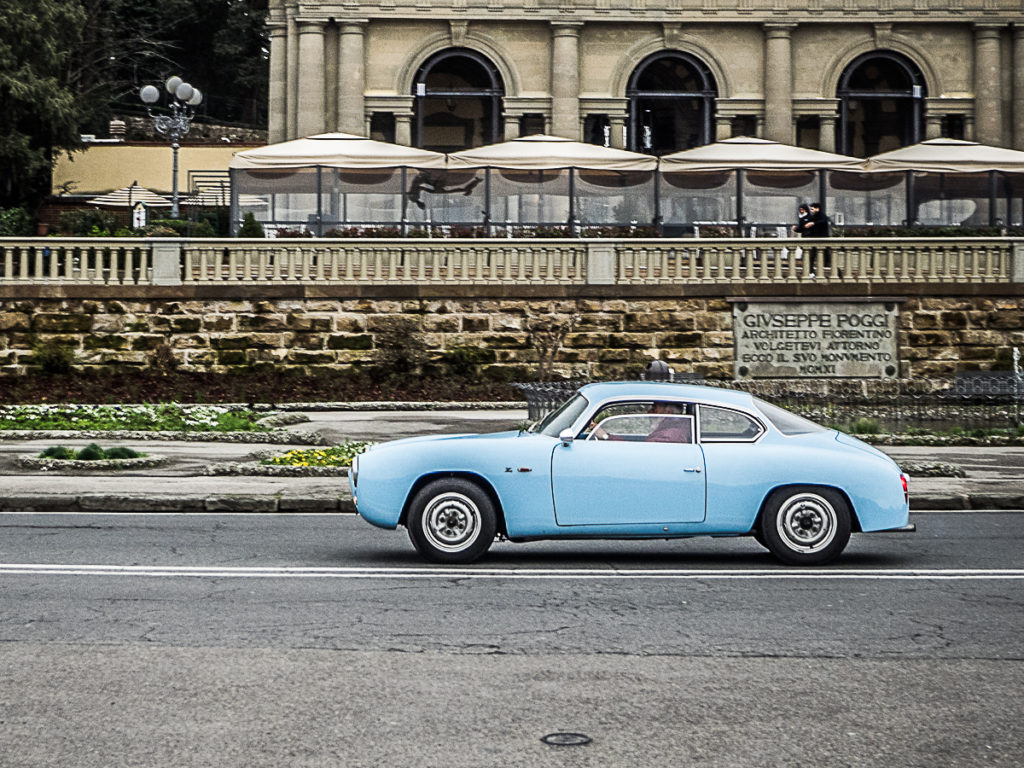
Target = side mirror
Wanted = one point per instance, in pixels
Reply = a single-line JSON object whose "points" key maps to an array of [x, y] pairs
{"points": [[566, 436]]}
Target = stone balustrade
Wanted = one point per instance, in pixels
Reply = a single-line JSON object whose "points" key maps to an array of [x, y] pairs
{"points": [[168, 262]]}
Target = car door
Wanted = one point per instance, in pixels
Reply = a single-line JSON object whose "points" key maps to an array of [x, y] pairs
{"points": [[628, 480]]}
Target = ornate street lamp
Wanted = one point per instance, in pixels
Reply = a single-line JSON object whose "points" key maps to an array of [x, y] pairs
{"points": [[182, 101]]}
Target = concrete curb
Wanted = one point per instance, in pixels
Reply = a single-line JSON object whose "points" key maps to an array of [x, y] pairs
{"points": [[176, 503], [342, 503], [274, 437]]}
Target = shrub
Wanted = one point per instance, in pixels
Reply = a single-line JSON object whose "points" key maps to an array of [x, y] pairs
{"points": [[53, 357], [865, 427], [903, 231], [91, 452], [250, 227], [122, 452], [15, 222], [156, 230], [57, 452], [88, 222], [178, 226], [465, 361]]}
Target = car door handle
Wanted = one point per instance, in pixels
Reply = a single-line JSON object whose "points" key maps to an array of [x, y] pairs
{"points": [[692, 469]]}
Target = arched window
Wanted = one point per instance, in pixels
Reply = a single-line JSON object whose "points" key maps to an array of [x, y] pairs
{"points": [[881, 102], [671, 103], [458, 96]]}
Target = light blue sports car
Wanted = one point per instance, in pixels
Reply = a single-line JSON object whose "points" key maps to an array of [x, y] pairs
{"points": [[637, 460]]}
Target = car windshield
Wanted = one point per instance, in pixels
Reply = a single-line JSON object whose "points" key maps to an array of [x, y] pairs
{"points": [[562, 418], [787, 422]]}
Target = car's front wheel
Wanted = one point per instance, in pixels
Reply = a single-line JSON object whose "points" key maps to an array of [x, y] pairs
{"points": [[452, 521], [806, 526]]}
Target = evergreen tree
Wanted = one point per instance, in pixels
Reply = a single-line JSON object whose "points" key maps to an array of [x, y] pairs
{"points": [[39, 109]]}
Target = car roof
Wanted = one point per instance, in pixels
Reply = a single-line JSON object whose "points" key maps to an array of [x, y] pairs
{"points": [[654, 389]]}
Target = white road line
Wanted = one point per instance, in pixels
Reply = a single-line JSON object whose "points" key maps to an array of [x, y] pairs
{"points": [[568, 574]]}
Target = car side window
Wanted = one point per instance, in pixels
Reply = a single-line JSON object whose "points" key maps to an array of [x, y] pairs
{"points": [[650, 421], [724, 424], [645, 428]]}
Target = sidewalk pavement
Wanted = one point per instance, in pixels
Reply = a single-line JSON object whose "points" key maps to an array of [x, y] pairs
{"points": [[995, 476]]}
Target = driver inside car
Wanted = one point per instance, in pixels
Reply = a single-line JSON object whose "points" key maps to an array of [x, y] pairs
{"points": [[665, 430]]}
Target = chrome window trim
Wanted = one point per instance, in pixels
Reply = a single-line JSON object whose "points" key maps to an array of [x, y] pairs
{"points": [[597, 405], [756, 439]]}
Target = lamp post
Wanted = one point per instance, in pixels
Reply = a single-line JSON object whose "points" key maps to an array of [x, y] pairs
{"points": [[182, 103]]}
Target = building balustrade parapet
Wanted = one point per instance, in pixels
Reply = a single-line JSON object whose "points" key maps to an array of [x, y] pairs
{"points": [[510, 261]]}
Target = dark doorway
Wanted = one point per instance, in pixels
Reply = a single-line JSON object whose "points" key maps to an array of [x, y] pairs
{"points": [[881, 108], [458, 97], [671, 103]]}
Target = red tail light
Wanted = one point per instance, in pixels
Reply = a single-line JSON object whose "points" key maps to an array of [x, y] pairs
{"points": [[906, 489]]}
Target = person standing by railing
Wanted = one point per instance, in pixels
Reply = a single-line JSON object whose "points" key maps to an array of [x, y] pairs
{"points": [[803, 216], [817, 225]]}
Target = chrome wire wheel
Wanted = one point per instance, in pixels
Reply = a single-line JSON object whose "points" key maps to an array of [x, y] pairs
{"points": [[806, 523], [451, 522]]}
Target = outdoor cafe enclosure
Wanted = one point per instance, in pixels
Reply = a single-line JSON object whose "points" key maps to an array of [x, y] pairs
{"points": [[343, 185]]}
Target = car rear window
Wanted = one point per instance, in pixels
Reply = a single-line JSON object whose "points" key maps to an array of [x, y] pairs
{"points": [[787, 422]]}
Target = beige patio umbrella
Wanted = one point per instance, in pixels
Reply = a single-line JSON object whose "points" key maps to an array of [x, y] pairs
{"points": [[336, 150], [747, 153], [127, 197], [948, 156], [541, 152]]}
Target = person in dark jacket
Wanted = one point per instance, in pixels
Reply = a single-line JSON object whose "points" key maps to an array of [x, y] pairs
{"points": [[817, 226]]}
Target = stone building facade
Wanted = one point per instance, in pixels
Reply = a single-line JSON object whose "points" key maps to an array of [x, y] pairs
{"points": [[853, 76]]}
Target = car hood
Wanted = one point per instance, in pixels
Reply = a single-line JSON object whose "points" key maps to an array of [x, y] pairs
{"points": [[845, 439]]}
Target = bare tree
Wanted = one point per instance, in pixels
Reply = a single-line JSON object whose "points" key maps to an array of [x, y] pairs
{"points": [[547, 335]]}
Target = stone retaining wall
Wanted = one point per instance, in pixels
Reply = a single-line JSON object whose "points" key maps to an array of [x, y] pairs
{"points": [[594, 336]]}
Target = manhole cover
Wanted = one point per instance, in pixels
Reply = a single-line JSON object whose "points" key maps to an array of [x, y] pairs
{"points": [[566, 739]]}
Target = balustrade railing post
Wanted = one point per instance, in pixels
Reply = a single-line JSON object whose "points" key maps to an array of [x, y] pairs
{"points": [[167, 254], [600, 264], [1017, 262]]}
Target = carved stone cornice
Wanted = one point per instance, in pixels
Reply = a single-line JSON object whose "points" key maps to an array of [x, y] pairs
{"points": [[1000, 12]]}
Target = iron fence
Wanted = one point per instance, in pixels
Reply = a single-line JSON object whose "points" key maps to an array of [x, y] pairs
{"points": [[966, 402]]}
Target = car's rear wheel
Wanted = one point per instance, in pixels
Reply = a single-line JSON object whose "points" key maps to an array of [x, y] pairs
{"points": [[806, 525], [452, 521]]}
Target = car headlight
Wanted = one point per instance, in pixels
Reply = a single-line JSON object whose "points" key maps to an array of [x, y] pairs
{"points": [[354, 471]]}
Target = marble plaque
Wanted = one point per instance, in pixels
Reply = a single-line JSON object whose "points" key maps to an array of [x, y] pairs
{"points": [[816, 339]]}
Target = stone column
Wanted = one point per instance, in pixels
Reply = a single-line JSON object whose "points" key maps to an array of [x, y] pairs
{"points": [[932, 126], [277, 107], [778, 83], [723, 127], [988, 112], [403, 128], [511, 127], [565, 80], [312, 103], [827, 133], [618, 130], [1018, 86], [352, 77], [292, 79]]}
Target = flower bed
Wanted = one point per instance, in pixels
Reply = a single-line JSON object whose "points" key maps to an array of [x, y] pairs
{"points": [[335, 456], [162, 417], [69, 461]]}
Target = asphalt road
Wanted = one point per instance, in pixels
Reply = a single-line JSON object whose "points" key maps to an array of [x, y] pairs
{"points": [[320, 641]]}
